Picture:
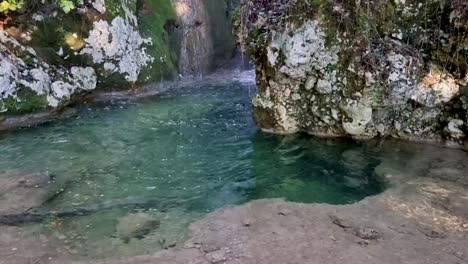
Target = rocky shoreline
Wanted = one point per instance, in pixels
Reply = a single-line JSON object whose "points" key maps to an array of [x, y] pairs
{"points": [[10, 122], [421, 218]]}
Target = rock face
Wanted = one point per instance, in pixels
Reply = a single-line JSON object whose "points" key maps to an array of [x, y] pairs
{"points": [[359, 68], [48, 56], [27, 75]]}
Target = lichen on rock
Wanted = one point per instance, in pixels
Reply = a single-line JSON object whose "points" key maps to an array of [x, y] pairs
{"points": [[119, 47], [22, 70], [358, 68]]}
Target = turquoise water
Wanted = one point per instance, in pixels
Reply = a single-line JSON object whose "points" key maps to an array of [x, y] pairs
{"points": [[176, 156]]}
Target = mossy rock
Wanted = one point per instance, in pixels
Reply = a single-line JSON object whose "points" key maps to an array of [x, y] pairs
{"points": [[154, 20], [27, 102]]}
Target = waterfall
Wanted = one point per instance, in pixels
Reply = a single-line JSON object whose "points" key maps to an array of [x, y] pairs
{"points": [[195, 37], [204, 32]]}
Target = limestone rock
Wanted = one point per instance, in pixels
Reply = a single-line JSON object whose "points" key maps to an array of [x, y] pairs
{"points": [[107, 44], [312, 61], [360, 115], [35, 84], [436, 88]]}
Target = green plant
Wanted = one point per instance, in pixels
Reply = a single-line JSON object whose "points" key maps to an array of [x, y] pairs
{"points": [[11, 5], [68, 5]]}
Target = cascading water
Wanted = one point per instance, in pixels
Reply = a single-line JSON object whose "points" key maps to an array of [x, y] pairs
{"points": [[204, 32], [195, 39]]}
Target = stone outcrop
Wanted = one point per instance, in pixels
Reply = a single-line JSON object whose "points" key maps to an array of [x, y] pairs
{"points": [[359, 68], [28, 83]]}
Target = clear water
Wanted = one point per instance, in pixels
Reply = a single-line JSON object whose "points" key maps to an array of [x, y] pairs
{"points": [[177, 156]]}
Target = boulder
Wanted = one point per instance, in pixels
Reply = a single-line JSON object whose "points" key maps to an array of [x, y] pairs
{"points": [[344, 77]]}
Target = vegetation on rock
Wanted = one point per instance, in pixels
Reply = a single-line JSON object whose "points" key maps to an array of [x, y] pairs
{"points": [[404, 63]]}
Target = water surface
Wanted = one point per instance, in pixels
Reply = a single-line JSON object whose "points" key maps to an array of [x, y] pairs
{"points": [[177, 157]]}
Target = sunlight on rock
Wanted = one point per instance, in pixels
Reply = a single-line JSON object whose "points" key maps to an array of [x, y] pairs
{"points": [[74, 41], [425, 213], [435, 88], [181, 8]]}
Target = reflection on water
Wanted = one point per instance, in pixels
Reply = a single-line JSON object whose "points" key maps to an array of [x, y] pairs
{"points": [[175, 158]]}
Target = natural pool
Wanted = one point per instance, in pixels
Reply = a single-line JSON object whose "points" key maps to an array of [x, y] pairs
{"points": [[175, 157]]}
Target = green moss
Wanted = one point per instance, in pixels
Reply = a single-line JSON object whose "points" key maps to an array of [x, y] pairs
{"points": [[28, 102], [114, 9], [153, 16], [50, 37], [255, 33], [223, 43], [236, 15]]}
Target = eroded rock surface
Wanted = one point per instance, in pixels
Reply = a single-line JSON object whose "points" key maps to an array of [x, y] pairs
{"points": [[362, 68]]}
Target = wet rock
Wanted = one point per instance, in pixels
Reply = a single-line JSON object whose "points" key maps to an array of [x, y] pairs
{"points": [[22, 192], [170, 245], [137, 226]]}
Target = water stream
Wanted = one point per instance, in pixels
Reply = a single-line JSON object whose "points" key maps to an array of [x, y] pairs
{"points": [[176, 157]]}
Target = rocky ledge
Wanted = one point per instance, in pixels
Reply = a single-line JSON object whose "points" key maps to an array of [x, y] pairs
{"points": [[359, 68]]}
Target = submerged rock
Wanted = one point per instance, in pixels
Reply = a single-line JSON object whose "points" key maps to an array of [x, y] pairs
{"points": [[22, 192], [323, 69], [136, 225]]}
